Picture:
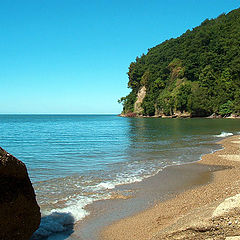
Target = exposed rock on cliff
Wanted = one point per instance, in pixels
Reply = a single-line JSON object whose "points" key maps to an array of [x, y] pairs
{"points": [[19, 211], [138, 104]]}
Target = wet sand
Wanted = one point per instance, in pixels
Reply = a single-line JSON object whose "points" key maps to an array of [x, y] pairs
{"points": [[203, 201], [150, 208], [133, 198]]}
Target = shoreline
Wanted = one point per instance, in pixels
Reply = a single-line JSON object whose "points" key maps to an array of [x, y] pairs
{"points": [[180, 116], [159, 188], [189, 213], [141, 196]]}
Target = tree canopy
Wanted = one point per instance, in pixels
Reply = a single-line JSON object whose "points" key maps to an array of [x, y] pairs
{"points": [[198, 72]]}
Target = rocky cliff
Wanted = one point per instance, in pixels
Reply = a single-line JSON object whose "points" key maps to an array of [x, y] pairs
{"points": [[19, 211], [140, 97]]}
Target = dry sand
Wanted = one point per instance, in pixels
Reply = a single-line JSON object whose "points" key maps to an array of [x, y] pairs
{"points": [[210, 211]]}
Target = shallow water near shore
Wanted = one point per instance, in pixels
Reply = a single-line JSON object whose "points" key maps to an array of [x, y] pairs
{"points": [[74, 160]]}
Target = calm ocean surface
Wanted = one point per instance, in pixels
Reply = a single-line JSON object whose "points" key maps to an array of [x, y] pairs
{"points": [[74, 160]]}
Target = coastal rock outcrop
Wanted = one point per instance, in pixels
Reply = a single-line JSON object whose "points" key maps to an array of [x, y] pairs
{"points": [[19, 212]]}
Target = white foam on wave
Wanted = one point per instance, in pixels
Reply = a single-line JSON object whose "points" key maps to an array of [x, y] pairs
{"points": [[119, 181], [59, 220], [104, 185], [127, 180], [75, 207], [224, 134]]}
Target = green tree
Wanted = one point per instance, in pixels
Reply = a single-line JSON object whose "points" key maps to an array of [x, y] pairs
{"points": [[226, 109]]}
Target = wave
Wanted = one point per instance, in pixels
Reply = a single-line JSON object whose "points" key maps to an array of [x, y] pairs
{"points": [[119, 181], [224, 134], [62, 219], [52, 224]]}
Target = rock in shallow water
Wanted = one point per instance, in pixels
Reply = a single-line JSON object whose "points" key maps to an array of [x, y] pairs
{"points": [[19, 212]]}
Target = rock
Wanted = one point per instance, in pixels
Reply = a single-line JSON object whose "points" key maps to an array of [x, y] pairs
{"points": [[183, 114], [138, 109], [233, 116], [212, 116], [129, 114], [19, 212], [227, 205], [165, 116], [215, 115]]}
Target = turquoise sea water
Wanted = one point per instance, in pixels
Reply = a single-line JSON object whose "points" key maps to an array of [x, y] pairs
{"points": [[74, 160]]}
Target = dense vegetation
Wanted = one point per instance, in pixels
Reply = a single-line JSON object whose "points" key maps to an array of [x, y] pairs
{"points": [[198, 72]]}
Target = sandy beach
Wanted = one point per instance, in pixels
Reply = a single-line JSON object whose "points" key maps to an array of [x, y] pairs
{"points": [[207, 210]]}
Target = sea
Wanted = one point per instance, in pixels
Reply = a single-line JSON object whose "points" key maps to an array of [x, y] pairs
{"points": [[75, 160]]}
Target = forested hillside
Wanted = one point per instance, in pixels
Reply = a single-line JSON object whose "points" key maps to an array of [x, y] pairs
{"points": [[198, 72]]}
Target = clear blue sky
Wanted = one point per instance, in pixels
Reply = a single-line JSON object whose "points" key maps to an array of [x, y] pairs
{"points": [[71, 56]]}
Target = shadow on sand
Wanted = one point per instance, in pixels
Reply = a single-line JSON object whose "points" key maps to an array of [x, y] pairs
{"points": [[56, 226]]}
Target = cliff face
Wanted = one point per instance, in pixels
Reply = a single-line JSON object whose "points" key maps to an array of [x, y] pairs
{"points": [[19, 211], [138, 104]]}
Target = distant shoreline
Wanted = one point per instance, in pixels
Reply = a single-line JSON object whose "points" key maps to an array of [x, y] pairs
{"points": [[195, 213], [213, 116]]}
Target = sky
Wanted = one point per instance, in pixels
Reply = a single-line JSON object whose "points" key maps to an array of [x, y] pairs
{"points": [[72, 56]]}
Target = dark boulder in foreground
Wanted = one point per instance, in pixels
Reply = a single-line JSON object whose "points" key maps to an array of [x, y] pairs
{"points": [[19, 212]]}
